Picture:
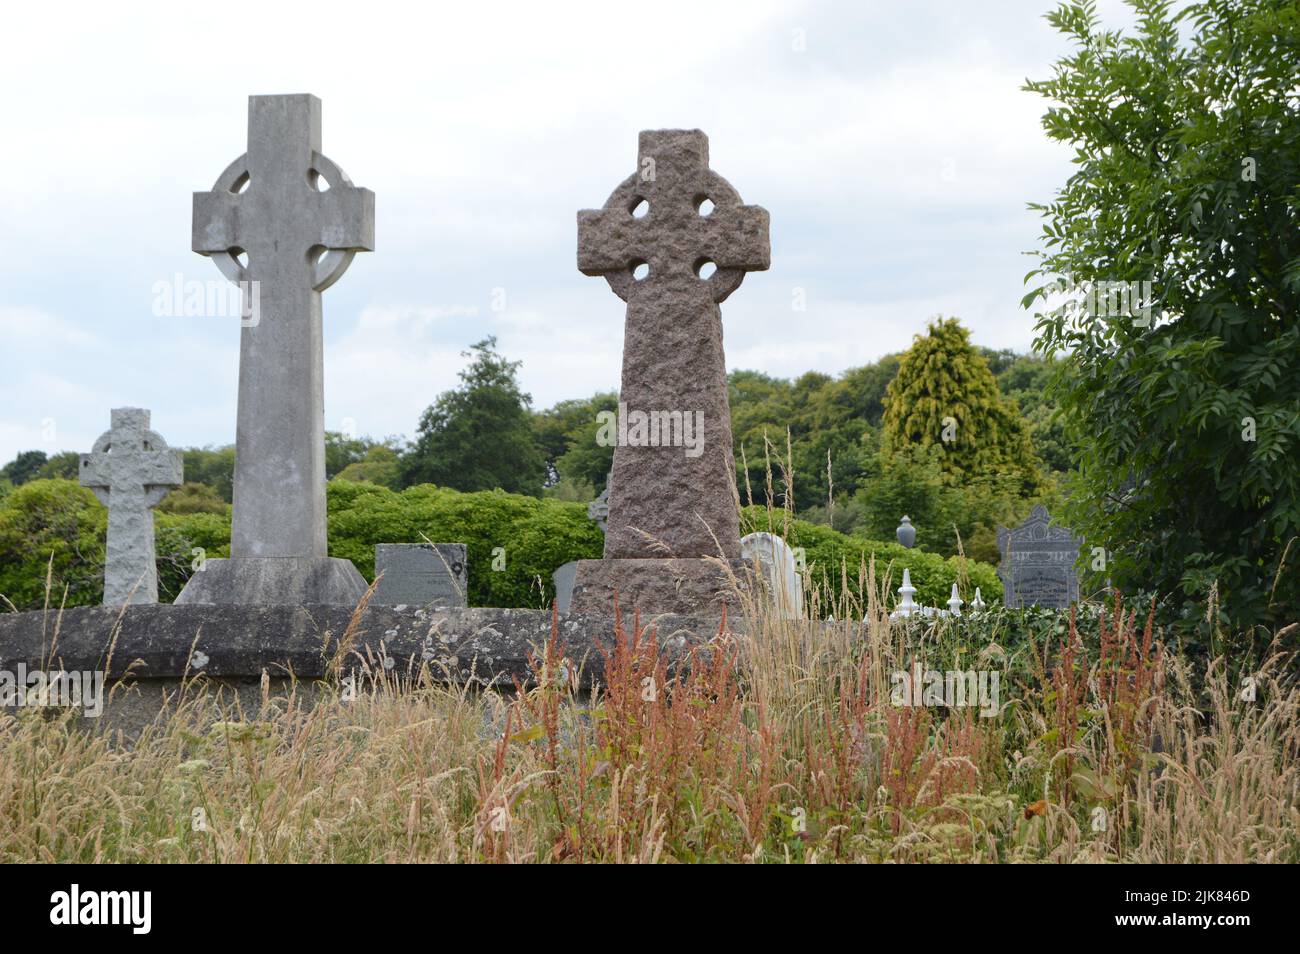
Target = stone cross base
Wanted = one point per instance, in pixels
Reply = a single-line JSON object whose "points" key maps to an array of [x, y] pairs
{"points": [[275, 581], [687, 587]]}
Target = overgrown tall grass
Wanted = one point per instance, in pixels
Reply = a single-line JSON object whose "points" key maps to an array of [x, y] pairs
{"points": [[779, 745]]}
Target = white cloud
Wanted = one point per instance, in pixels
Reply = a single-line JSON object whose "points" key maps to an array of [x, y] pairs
{"points": [[895, 153]]}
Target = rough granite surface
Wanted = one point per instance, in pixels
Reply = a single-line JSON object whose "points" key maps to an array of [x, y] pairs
{"points": [[659, 586], [663, 502]]}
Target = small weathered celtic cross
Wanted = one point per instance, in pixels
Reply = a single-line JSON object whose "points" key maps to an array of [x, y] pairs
{"points": [[130, 469], [673, 241], [287, 218]]}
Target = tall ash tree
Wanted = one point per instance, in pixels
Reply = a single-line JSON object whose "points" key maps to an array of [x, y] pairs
{"points": [[1187, 156]]}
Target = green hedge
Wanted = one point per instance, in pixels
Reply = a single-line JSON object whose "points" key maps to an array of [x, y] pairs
{"points": [[828, 553], [535, 535], [51, 519]]}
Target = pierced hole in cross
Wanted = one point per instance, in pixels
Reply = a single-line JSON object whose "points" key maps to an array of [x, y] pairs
{"points": [[316, 254], [241, 184], [239, 255], [703, 205], [640, 269], [640, 208], [705, 268], [317, 181]]}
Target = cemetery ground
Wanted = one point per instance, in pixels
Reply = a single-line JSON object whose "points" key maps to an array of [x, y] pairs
{"points": [[715, 682], [782, 744]]}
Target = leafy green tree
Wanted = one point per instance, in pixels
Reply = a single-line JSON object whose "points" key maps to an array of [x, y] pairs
{"points": [[762, 411], [214, 466], [861, 391], [824, 421], [945, 396], [65, 465], [576, 457], [479, 436], [570, 490], [342, 451], [907, 483], [1188, 155], [191, 497], [1026, 380], [52, 524], [26, 466], [380, 465]]}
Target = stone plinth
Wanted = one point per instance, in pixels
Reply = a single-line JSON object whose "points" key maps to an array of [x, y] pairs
{"points": [[659, 586], [268, 581]]}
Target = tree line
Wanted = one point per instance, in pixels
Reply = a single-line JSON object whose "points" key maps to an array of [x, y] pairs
{"points": [[822, 445]]}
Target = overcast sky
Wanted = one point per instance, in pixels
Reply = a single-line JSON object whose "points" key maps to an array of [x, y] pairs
{"points": [[890, 142]]}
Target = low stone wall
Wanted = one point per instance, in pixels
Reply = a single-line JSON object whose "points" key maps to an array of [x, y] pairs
{"points": [[146, 652]]}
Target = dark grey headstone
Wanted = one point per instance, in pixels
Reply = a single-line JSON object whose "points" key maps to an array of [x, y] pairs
{"points": [[1037, 567], [421, 574], [563, 578]]}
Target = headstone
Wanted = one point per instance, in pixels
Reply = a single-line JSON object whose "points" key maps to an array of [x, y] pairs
{"points": [[563, 578], [421, 574], [779, 571], [268, 205], [130, 469], [673, 500], [598, 509], [1037, 566]]}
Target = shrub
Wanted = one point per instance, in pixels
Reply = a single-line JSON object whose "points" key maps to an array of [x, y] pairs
{"points": [[834, 561], [44, 519], [534, 535]]}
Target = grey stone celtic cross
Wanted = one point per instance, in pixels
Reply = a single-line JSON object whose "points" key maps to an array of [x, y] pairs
{"points": [[673, 241], [130, 469], [284, 216]]}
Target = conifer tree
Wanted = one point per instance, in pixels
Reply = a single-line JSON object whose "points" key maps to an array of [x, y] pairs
{"points": [[946, 396]]}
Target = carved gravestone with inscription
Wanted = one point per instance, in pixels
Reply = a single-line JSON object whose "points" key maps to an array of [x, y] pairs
{"points": [[1038, 563], [421, 574]]}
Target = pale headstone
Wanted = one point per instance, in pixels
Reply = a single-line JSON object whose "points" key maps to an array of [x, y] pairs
{"points": [[1037, 566], [779, 569], [269, 206], [673, 501], [563, 578], [421, 574], [130, 469]]}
